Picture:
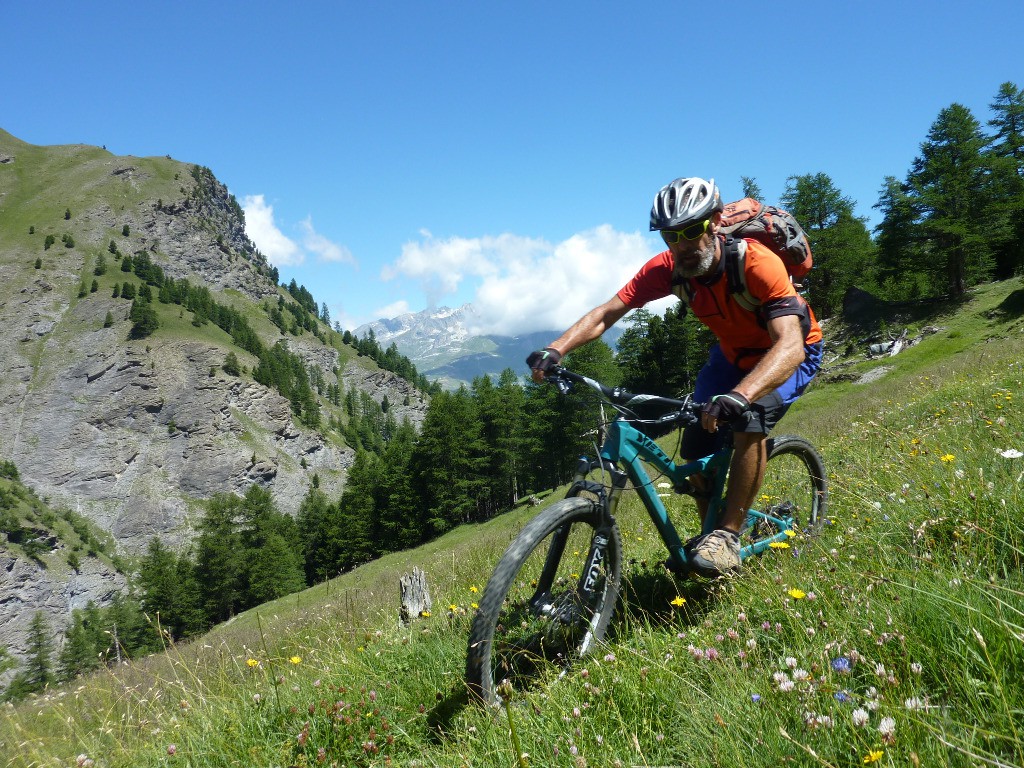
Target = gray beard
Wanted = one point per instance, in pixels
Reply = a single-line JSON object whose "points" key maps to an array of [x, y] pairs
{"points": [[703, 266]]}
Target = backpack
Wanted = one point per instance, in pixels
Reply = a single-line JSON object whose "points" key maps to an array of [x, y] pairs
{"points": [[773, 228]]}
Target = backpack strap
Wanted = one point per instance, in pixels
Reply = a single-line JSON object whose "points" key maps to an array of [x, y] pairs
{"points": [[735, 254], [682, 289]]}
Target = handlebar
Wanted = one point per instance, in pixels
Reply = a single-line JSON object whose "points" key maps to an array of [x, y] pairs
{"points": [[681, 412]]}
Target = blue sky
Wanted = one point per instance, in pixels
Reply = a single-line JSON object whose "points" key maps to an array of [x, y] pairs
{"points": [[393, 156]]}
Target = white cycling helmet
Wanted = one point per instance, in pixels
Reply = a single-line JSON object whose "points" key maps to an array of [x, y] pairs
{"points": [[684, 201]]}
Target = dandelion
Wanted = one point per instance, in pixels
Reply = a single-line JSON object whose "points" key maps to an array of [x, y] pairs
{"points": [[779, 545], [947, 458], [797, 594], [295, 659], [873, 756], [474, 606], [424, 614], [252, 663], [679, 600], [473, 589], [790, 532], [860, 717]]}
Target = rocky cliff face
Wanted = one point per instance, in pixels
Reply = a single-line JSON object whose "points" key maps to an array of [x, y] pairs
{"points": [[135, 434]]}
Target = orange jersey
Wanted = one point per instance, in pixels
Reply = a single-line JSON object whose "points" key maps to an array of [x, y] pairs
{"points": [[742, 334]]}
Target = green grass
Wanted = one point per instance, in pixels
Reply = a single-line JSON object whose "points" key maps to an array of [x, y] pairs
{"points": [[916, 581]]}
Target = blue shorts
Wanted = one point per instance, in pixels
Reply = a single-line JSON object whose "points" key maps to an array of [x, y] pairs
{"points": [[719, 376]]}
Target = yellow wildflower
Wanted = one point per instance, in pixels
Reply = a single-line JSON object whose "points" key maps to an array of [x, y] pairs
{"points": [[873, 756], [797, 594], [295, 659], [790, 532], [947, 458], [473, 589], [779, 545], [252, 663], [679, 601]]}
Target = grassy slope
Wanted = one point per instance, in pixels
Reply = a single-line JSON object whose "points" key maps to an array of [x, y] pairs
{"points": [[917, 581]]}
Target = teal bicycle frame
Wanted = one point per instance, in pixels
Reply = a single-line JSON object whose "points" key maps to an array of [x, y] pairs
{"points": [[627, 447]]}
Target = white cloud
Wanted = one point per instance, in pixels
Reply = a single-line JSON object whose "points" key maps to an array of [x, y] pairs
{"points": [[280, 249], [392, 310], [325, 249], [442, 265], [272, 242], [528, 284]]}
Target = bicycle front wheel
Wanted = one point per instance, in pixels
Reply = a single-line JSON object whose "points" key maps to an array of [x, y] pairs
{"points": [[549, 600], [795, 488]]}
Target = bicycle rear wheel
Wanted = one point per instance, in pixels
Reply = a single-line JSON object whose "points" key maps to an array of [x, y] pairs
{"points": [[549, 600], [795, 488]]}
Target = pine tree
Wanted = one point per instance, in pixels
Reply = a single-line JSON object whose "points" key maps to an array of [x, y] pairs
{"points": [[1006, 153], [948, 182], [79, 654], [219, 556], [842, 248], [38, 671]]}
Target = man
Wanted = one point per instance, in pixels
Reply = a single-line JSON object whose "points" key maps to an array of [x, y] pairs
{"points": [[763, 361]]}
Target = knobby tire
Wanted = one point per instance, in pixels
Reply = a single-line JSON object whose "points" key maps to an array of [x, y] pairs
{"points": [[548, 602]]}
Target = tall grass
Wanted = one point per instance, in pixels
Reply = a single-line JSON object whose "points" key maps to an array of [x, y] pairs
{"points": [[893, 637]]}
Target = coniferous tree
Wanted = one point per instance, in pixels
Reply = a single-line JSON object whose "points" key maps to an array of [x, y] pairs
{"points": [[38, 671], [751, 188], [357, 512], [79, 654], [321, 534], [840, 242], [948, 181], [898, 241], [1006, 152], [219, 557]]}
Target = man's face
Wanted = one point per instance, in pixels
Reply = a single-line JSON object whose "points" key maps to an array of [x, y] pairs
{"points": [[695, 258]]}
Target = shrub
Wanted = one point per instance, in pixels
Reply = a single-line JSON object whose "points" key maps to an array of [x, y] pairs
{"points": [[39, 263], [67, 214], [50, 240], [109, 319], [125, 230], [231, 364]]}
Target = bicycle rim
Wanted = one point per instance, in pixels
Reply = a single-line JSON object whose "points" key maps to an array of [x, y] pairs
{"points": [[795, 488], [549, 601]]}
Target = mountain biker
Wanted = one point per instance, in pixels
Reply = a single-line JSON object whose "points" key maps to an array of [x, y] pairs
{"points": [[761, 364]]}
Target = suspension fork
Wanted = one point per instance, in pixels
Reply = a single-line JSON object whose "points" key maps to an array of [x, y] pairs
{"points": [[605, 503]]}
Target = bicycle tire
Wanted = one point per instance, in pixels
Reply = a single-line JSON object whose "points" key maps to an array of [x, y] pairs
{"points": [[544, 604], [795, 485]]}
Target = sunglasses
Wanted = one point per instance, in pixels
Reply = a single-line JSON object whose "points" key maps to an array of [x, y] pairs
{"points": [[689, 232]]}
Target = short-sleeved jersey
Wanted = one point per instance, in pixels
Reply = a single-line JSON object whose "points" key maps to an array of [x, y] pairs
{"points": [[742, 334]]}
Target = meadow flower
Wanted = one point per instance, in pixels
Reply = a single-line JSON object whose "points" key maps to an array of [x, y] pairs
{"points": [[679, 600], [609, 657], [295, 659], [171, 749], [778, 677], [887, 727], [786, 686], [791, 662], [252, 663], [751, 643], [779, 545], [1011, 453], [473, 589], [800, 675], [860, 717], [755, 697], [797, 594], [947, 458], [841, 664], [916, 668], [914, 703], [873, 756]]}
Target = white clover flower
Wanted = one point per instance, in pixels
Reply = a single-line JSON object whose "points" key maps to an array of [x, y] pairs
{"points": [[801, 675], [916, 668], [786, 686], [791, 662], [914, 704], [887, 727], [860, 717]]}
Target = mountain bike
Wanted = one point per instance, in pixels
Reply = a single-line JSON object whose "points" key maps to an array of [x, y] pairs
{"points": [[552, 594]]}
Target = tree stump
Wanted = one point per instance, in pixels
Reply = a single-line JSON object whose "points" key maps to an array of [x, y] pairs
{"points": [[415, 596]]}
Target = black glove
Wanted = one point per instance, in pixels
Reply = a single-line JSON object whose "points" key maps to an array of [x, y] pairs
{"points": [[544, 360], [728, 407]]}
